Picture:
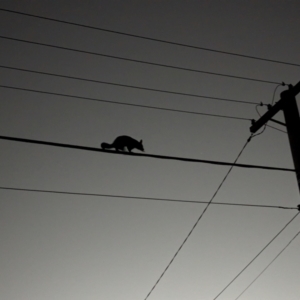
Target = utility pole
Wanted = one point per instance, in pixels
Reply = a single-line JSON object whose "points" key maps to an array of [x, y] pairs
{"points": [[288, 105]]}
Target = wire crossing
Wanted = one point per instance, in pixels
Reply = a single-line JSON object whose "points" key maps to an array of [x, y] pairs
{"points": [[213, 162], [288, 244], [126, 85], [151, 39], [139, 61], [141, 198], [256, 257]]}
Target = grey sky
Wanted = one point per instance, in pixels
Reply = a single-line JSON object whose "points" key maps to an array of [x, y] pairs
{"points": [[77, 247]]}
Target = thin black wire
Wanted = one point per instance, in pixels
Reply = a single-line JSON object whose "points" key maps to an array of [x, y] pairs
{"points": [[256, 108], [254, 135], [123, 103], [125, 85], [142, 198], [152, 39], [256, 256], [200, 217], [274, 92], [138, 61], [267, 266], [165, 157]]}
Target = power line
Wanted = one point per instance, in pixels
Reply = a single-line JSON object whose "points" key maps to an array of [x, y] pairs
{"points": [[197, 222], [138, 61], [152, 39], [30, 141], [142, 198], [123, 103], [256, 256], [129, 104], [267, 266], [126, 85]]}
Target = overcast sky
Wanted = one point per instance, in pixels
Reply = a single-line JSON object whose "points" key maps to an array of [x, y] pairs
{"points": [[74, 247]]}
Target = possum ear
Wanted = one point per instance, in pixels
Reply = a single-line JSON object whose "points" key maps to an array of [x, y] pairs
{"points": [[141, 141]]}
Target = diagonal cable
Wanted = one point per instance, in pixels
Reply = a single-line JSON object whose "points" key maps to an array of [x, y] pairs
{"points": [[198, 220], [287, 245], [255, 257]]}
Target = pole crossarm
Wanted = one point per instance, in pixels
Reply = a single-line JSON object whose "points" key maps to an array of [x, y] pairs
{"points": [[291, 92], [288, 105], [144, 155]]}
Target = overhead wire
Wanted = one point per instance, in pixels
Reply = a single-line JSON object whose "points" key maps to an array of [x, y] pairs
{"points": [[131, 104], [124, 103], [139, 61], [264, 248], [150, 38], [144, 88], [174, 67], [142, 198], [197, 222], [272, 261], [186, 69], [125, 85], [165, 157]]}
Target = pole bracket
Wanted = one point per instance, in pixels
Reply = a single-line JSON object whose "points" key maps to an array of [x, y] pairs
{"points": [[278, 122]]}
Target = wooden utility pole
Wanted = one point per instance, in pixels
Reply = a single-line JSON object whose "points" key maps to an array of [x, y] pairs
{"points": [[288, 105]]}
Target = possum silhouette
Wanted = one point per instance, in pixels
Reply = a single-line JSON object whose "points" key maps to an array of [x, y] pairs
{"points": [[122, 142]]}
